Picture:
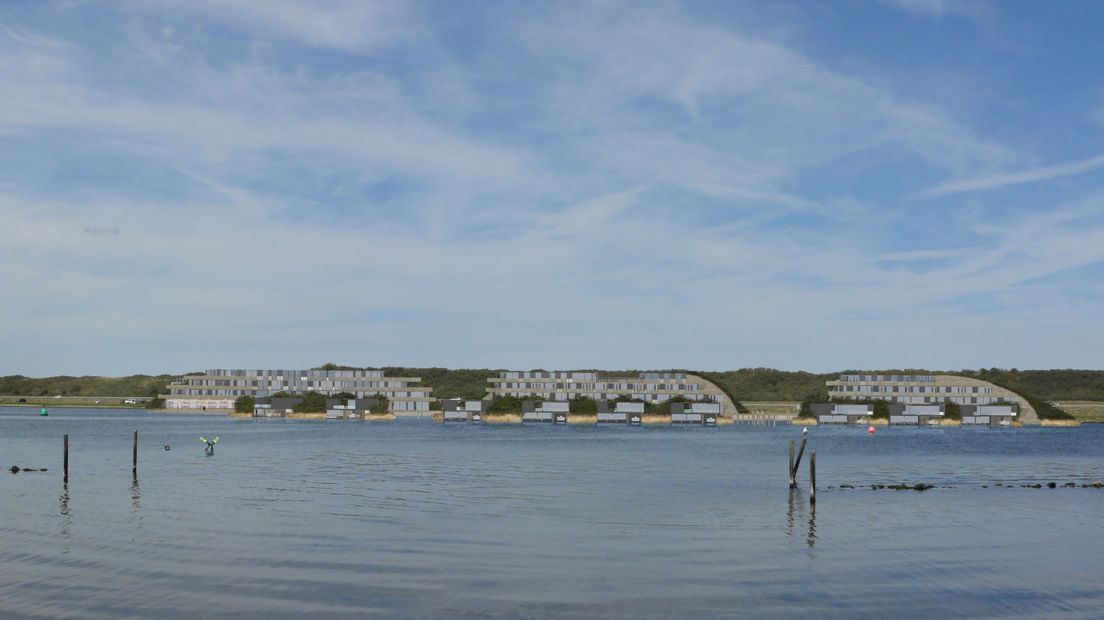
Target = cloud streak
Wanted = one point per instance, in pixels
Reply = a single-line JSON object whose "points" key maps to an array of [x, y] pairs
{"points": [[1032, 175], [531, 186]]}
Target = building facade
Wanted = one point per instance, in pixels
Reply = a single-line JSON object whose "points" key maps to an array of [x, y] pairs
{"points": [[650, 387], [928, 390], [988, 415], [218, 389]]}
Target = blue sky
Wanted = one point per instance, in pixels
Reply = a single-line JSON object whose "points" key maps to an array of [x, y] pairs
{"points": [[813, 185]]}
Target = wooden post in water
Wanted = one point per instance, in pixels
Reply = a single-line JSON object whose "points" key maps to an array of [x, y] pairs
{"points": [[793, 483], [800, 451], [65, 460], [812, 477], [134, 457]]}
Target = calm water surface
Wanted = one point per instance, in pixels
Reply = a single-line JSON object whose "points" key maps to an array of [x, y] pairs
{"points": [[414, 519]]}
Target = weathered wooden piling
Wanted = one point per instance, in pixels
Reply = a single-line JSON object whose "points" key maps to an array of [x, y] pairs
{"points": [[65, 460], [134, 456], [797, 463], [812, 477], [793, 483]]}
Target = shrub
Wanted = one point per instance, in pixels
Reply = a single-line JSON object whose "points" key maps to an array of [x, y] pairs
{"points": [[952, 410], [583, 406], [382, 404], [244, 404], [313, 402], [505, 404]]}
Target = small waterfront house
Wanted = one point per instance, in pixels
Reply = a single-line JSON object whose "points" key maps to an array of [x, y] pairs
{"points": [[565, 386], [623, 412], [842, 413], [218, 388], [918, 415], [453, 410], [351, 409], [695, 413], [988, 415], [274, 407], [456, 410], [548, 411]]}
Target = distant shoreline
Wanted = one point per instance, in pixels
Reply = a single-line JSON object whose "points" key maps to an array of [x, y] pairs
{"points": [[51, 405]]}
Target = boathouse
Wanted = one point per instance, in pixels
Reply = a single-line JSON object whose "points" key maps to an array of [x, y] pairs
{"points": [[917, 415], [842, 413], [988, 415], [624, 412], [456, 410], [274, 407], [553, 412], [695, 413], [351, 409]]}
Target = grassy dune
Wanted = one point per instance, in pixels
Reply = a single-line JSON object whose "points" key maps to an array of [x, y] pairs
{"points": [[1084, 410]]}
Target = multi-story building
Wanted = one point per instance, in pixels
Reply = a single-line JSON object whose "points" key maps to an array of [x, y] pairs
{"points": [[650, 387], [927, 389], [218, 389]]}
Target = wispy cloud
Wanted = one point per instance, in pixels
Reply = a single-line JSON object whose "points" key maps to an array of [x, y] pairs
{"points": [[534, 185], [975, 9], [1032, 175]]}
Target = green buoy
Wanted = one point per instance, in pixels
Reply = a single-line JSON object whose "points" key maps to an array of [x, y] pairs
{"points": [[43, 412]]}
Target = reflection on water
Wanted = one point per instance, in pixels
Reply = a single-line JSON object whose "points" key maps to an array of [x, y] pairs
{"points": [[790, 512], [135, 497], [66, 518], [810, 539], [795, 497], [415, 519]]}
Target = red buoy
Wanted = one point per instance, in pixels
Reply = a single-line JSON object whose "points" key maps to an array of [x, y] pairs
{"points": [[870, 429]]}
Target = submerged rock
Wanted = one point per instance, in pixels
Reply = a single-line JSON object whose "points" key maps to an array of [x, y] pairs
{"points": [[15, 469], [1052, 485]]}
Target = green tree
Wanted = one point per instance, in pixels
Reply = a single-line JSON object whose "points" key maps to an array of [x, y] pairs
{"points": [[583, 406], [952, 410], [244, 404], [505, 404], [313, 402], [383, 404]]}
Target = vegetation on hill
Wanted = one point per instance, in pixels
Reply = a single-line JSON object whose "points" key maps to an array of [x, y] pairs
{"points": [[769, 385], [1047, 385], [134, 385]]}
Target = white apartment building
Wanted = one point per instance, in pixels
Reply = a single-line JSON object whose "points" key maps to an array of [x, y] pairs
{"points": [[650, 387], [218, 389]]}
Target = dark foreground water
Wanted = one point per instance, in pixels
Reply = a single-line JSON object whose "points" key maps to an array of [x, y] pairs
{"points": [[414, 519]]}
